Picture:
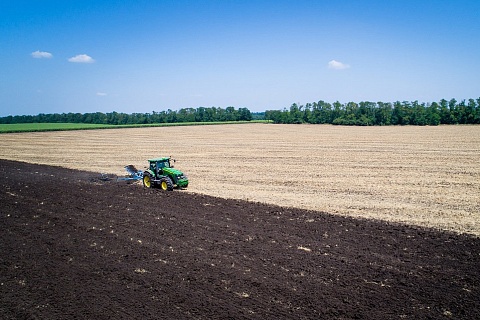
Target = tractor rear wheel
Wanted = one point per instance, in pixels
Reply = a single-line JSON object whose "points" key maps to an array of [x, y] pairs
{"points": [[166, 184], [147, 181]]}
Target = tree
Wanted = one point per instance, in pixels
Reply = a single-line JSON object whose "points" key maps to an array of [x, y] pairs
{"points": [[383, 114], [337, 111], [445, 115], [244, 114], [452, 104], [366, 111], [230, 114], [471, 111], [295, 115], [433, 114], [418, 113], [186, 115]]}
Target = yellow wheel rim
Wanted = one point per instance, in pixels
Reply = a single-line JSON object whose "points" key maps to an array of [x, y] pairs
{"points": [[147, 182], [164, 185]]}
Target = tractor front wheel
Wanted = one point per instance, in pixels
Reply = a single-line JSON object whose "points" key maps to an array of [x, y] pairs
{"points": [[147, 181], [166, 184]]}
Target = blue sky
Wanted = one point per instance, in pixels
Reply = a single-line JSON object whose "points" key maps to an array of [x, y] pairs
{"points": [[143, 56]]}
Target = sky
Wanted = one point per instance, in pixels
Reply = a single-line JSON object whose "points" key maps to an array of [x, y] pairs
{"points": [[143, 56]]}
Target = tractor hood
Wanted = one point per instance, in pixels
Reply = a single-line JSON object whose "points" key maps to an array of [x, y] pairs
{"points": [[172, 171]]}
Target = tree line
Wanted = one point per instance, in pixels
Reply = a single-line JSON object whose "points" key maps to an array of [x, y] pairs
{"points": [[201, 114], [364, 113], [380, 113]]}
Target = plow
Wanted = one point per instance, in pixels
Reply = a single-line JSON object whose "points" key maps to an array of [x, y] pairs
{"points": [[133, 174]]}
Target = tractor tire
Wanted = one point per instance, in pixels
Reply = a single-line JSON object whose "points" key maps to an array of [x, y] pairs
{"points": [[166, 184], [147, 181]]}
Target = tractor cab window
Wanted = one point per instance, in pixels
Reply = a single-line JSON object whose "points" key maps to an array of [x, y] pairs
{"points": [[163, 165]]}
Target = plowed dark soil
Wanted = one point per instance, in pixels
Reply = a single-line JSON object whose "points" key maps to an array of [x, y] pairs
{"points": [[75, 247]]}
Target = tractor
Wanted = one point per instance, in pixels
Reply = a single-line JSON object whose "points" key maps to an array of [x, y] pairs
{"points": [[161, 173]]}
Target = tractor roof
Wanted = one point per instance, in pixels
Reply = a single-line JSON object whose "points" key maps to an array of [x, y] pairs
{"points": [[159, 159]]}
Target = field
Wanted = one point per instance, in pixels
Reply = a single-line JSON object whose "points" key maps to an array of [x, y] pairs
{"points": [[425, 176], [42, 127], [340, 223], [76, 247], [34, 127]]}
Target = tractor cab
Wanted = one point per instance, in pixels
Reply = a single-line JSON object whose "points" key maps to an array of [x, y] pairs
{"points": [[157, 165]]}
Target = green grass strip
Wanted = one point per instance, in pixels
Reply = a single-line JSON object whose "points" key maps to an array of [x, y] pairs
{"points": [[40, 127]]}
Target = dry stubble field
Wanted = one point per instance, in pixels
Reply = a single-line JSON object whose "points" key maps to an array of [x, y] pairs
{"points": [[426, 176]]}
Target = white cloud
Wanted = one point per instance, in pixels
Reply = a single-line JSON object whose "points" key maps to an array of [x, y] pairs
{"points": [[41, 54], [82, 58], [101, 94], [337, 65]]}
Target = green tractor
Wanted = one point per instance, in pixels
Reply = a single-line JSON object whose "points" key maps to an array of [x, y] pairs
{"points": [[161, 173]]}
